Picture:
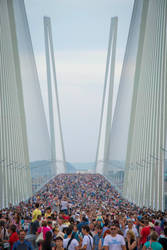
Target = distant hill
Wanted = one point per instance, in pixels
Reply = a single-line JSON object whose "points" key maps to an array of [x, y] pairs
{"points": [[83, 166], [70, 168], [43, 167]]}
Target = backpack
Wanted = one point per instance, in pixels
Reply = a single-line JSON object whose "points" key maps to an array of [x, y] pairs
{"points": [[40, 238], [66, 248], [90, 242], [69, 242]]}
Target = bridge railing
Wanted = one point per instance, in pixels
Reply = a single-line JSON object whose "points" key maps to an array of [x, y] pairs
{"points": [[41, 173], [116, 182]]}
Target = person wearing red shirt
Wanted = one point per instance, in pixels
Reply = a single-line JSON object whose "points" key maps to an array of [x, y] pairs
{"points": [[13, 235], [65, 217], [145, 232]]}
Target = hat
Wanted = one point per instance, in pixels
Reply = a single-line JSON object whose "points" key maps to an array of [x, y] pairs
{"points": [[60, 235]]}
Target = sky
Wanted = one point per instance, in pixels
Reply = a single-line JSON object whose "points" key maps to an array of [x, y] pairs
{"points": [[80, 36]]}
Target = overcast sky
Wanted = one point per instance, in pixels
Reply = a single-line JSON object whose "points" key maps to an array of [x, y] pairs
{"points": [[80, 35]]}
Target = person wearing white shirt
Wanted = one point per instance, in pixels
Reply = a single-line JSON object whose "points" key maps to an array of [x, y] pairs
{"points": [[87, 243], [132, 227], [70, 243], [64, 205], [114, 241]]}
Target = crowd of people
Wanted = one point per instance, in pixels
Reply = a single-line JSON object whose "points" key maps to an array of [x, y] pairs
{"points": [[82, 212]]}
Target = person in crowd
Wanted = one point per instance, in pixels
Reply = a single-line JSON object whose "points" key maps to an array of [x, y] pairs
{"points": [[36, 212], [3, 231], [64, 205], [145, 232], [44, 228], [92, 227], [48, 212], [59, 242], [22, 243], [131, 226], [55, 232], [17, 221], [101, 241], [87, 242], [13, 235], [35, 225], [163, 239], [157, 228], [153, 243], [97, 237], [47, 244], [76, 201], [84, 222], [77, 235], [131, 242], [114, 240], [50, 224], [70, 242], [106, 225]]}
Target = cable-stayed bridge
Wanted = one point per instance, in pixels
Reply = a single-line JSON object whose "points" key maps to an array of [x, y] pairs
{"points": [[131, 148], [24, 131]]}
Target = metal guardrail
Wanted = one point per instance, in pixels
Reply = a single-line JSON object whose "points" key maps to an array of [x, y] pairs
{"points": [[116, 187], [43, 184]]}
